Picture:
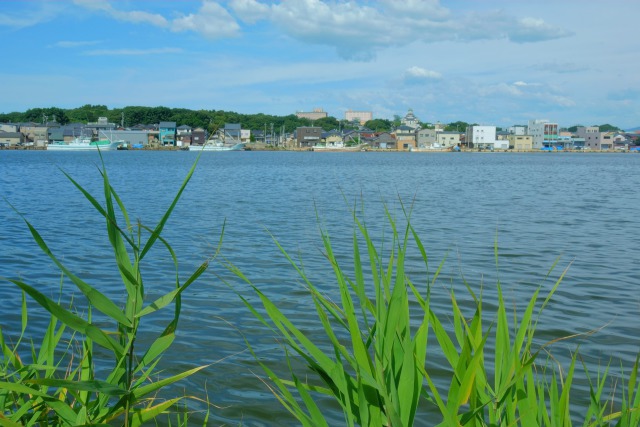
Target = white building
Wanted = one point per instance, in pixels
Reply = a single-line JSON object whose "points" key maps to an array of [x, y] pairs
{"points": [[481, 137], [543, 132], [517, 130]]}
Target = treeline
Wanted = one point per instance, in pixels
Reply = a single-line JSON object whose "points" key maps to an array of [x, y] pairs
{"points": [[207, 119]]}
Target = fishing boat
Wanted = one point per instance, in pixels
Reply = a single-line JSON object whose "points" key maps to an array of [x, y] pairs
{"points": [[84, 144], [216, 143]]}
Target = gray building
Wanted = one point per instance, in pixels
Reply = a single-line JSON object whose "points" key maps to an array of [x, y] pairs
{"points": [[308, 136]]}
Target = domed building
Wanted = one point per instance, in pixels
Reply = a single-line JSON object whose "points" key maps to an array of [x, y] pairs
{"points": [[410, 120]]}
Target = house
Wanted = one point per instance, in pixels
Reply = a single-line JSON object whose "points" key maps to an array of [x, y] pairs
{"points": [[167, 133], [447, 139], [332, 137], [426, 138], [385, 141], [198, 136], [11, 138], [308, 136], [35, 133], [405, 137]]}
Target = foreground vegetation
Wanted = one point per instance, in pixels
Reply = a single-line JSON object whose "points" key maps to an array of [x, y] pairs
{"points": [[376, 365]]}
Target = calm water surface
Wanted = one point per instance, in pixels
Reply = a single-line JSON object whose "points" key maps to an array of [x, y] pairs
{"points": [[578, 208]]}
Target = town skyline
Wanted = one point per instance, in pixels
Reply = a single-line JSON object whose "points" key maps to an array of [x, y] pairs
{"points": [[498, 62]]}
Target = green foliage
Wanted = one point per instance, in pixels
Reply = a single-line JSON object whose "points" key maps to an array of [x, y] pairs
{"points": [[60, 385], [457, 127], [376, 365], [379, 125], [608, 128]]}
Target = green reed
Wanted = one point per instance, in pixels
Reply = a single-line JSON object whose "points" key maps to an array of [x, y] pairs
{"points": [[376, 365], [56, 381]]}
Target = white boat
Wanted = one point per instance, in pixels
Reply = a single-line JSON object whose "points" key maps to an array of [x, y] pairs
{"points": [[216, 144], [84, 144]]}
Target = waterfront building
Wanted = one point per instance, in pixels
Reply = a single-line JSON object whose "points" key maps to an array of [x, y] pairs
{"points": [[544, 133], [405, 137], [594, 139], [448, 139], [308, 136], [10, 138], [361, 117], [167, 133], [520, 142], [426, 138], [481, 136], [317, 113]]}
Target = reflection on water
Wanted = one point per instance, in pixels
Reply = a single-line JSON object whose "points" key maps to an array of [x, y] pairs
{"points": [[578, 208]]}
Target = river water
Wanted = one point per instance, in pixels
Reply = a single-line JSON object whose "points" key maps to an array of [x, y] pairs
{"points": [[580, 210]]}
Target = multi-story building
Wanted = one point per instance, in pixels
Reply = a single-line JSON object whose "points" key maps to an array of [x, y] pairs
{"points": [[426, 138], [480, 136], [308, 136], [361, 117], [593, 138], [405, 137], [317, 113], [167, 133], [544, 133], [448, 139]]}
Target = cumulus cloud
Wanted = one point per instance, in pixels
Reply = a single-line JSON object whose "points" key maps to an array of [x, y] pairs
{"points": [[419, 75], [528, 30], [212, 21], [358, 30], [133, 16]]}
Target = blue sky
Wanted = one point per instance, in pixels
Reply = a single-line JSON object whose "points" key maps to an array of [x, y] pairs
{"points": [[499, 62]]}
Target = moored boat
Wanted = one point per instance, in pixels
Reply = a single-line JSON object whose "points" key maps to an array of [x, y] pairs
{"points": [[84, 144]]}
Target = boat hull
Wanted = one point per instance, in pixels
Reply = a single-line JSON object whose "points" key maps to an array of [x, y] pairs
{"points": [[81, 146], [211, 147]]}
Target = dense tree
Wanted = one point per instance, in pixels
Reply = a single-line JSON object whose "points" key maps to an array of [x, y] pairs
{"points": [[379, 125], [327, 123], [608, 128], [456, 127]]}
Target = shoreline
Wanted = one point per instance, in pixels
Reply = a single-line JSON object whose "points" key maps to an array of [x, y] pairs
{"points": [[370, 150]]}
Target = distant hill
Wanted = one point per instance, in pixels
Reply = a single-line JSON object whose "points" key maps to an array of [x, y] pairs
{"points": [[633, 130]]}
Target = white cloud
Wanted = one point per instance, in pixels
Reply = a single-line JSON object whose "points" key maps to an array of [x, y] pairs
{"points": [[133, 16], [249, 11], [419, 75], [527, 30], [212, 21], [359, 30]]}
